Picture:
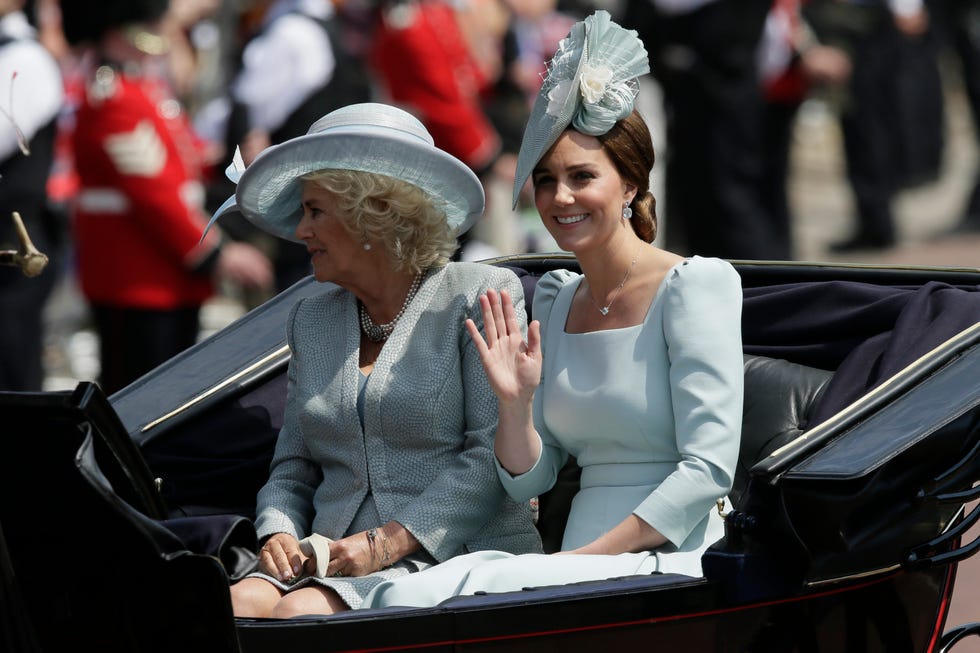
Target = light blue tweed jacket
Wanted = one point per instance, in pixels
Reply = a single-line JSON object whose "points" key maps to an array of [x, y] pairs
{"points": [[426, 451]]}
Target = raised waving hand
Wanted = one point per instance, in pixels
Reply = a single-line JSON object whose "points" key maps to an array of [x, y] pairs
{"points": [[513, 366]]}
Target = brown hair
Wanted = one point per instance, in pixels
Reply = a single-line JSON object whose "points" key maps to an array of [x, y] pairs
{"points": [[630, 148]]}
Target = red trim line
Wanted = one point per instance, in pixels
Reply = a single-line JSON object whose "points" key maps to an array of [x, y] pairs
{"points": [[625, 624], [942, 613]]}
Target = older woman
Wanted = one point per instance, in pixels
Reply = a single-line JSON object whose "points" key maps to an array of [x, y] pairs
{"points": [[634, 367], [384, 464]]}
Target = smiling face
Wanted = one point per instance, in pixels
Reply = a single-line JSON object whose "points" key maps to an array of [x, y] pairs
{"points": [[579, 193], [334, 253]]}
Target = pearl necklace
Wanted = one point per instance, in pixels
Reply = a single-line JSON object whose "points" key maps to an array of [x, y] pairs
{"points": [[604, 310], [380, 332]]}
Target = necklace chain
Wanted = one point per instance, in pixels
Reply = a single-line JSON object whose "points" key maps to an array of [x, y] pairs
{"points": [[380, 332], [604, 310]]}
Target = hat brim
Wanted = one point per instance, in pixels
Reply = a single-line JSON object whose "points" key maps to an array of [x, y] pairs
{"points": [[269, 192]]}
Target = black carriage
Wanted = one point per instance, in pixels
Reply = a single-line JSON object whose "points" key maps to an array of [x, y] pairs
{"points": [[860, 453]]}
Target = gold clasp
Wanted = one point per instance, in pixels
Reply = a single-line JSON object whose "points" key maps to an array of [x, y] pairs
{"points": [[720, 504]]}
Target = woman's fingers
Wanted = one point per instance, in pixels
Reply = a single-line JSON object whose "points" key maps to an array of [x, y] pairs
{"points": [[500, 324], [510, 315], [282, 558], [489, 325], [497, 310], [476, 336], [534, 339], [351, 556]]}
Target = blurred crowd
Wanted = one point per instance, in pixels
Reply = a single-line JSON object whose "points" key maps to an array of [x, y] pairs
{"points": [[120, 119]]}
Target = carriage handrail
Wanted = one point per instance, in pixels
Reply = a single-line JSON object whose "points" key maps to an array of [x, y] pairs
{"points": [[924, 556]]}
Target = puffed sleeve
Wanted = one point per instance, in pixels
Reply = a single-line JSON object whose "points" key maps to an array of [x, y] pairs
{"points": [[542, 476], [702, 329]]}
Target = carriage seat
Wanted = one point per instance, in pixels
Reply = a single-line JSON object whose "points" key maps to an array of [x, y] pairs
{"points": [[780, 397]]}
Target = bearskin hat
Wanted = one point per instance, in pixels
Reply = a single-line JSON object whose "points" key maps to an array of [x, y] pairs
{"points": [[86, 21]]}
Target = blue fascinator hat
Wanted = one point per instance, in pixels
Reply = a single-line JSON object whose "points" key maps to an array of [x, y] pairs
{"points": [[591, 83]]}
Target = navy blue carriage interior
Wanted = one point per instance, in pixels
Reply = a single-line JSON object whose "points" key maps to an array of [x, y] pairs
{"points": [[124, 499]]}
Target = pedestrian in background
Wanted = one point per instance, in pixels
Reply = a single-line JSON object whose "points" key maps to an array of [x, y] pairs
{"points": [[292, 67], [433, 60], [703, 53], [138, 215], [793, 67], [880, 38], [957, 26], [31, 82]]}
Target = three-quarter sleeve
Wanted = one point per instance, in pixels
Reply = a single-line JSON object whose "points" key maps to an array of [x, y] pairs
{"points": [[702, 330]]}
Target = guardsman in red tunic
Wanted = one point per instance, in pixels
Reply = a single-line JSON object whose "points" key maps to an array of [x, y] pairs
{"points": [[422, 59], [138, 219]]}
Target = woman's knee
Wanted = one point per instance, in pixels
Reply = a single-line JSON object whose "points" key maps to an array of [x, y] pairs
{"points": [[308, 600], [254, 597]]}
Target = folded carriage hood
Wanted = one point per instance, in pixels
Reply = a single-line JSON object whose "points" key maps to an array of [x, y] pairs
{"points": [[874, 486]]}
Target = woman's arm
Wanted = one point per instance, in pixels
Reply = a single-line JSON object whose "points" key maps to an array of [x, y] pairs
{"points": [[513, 367], [285, 502], [702, 328], [543, 457], [630, 535]]}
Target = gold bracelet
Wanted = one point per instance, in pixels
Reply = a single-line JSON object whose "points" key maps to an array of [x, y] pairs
{"points": [[385, 553], [372, 535]]}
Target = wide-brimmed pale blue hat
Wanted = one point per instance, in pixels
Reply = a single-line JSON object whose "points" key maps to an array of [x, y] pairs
{"points": [[366, 137], [591, 84]]}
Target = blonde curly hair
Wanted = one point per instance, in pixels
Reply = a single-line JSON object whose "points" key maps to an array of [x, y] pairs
{"points": [[409, 222]]}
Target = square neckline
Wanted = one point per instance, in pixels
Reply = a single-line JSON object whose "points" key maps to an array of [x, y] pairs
{"points": [[572, 288]]}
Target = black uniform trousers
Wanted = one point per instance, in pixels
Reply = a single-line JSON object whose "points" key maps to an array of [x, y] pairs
{"points": [[705, 61], [22, 329]]}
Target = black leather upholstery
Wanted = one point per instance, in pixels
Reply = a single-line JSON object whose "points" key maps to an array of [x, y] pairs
{"points": [[779, 400]]}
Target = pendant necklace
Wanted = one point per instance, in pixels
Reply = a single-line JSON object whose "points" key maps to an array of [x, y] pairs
{"points": [[380, 332], [604, 310]]}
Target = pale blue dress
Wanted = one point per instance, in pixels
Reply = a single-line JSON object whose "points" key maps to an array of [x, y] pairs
{"points": [[651, 412]]}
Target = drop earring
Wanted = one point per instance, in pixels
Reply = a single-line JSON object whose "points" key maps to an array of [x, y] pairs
{"points": [[367, 247], [627, 212]]}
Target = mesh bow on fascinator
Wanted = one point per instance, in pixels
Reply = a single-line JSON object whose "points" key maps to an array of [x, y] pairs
{"points": [[591, 83]]}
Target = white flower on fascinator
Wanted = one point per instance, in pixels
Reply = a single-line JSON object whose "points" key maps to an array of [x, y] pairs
{"points": [[593, 81]]}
